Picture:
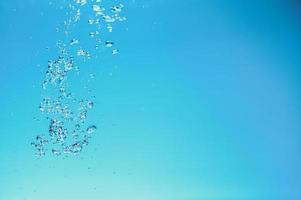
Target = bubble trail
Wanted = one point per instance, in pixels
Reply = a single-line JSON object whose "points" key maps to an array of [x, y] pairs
{"points": [[67, 132]]}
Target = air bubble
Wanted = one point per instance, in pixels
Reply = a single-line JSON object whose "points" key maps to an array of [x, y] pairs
{"points": [[74, 41], [83, 53], [97, 9], [117, 9], [90, 104], [109, 43], [56, 152], [115, 51], [91, 129], [81, 2], [110, 28]]}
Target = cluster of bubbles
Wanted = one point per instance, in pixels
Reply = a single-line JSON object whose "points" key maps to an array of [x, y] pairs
{"points": [[68, 132]]}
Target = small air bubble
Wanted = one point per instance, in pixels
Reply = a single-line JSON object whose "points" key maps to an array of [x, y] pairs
{"points": [[90, 104], [74, 41], [56, 152], [91, 129], [115, 51], [109, 43]]}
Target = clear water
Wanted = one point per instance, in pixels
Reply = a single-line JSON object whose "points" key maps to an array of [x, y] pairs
{"points": [[166, 100]]}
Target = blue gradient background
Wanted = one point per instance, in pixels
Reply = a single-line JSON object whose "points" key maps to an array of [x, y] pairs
{"points": [[203, 102]]}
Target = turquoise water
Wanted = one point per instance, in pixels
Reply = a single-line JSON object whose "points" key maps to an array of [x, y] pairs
{"points": [[201, 101]]}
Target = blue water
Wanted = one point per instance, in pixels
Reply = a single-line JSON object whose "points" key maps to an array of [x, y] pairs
{"points": [[201, 102]]}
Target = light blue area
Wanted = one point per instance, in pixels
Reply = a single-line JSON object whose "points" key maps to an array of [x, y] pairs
{"points": [[203, 102]]}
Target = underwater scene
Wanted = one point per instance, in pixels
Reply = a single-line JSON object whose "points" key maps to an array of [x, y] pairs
{"points": [[150, 100]]}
